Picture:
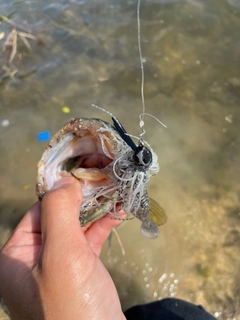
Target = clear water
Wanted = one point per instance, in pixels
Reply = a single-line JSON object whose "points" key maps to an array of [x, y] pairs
{"points": [[86, 52]]}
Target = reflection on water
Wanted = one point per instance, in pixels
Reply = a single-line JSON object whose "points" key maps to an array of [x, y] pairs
{"points": [[86, 52]]}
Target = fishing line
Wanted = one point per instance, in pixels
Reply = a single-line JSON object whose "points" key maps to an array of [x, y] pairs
{"points": [[150, 115], [141, 116], [141, 58], [97, 107]]}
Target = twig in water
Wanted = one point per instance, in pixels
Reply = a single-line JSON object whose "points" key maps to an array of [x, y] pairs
{"points": [[119, 240], [13, 37]]}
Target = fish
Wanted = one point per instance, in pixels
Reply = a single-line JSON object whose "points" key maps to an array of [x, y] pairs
{"points": [[113, 171]]}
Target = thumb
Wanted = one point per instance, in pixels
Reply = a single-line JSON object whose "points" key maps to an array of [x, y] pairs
{"points": [[61, 230]]}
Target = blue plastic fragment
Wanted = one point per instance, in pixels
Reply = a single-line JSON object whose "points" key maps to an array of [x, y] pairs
{"points": [[44, 136]]}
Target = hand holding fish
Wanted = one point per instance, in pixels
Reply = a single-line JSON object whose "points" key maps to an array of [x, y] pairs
{"points": [[49, 268]]}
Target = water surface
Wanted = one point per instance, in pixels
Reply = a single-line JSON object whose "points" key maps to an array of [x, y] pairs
{"points": [[86, 52]]}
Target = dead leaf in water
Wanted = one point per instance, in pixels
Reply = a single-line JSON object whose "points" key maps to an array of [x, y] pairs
{"points": [[2, 35]]}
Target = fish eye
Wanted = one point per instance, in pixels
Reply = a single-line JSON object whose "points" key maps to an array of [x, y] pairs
{"points": [[142, 157]]}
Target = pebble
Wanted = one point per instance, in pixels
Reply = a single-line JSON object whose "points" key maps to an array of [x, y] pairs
{"points": [[5, 123], [2, 35]]}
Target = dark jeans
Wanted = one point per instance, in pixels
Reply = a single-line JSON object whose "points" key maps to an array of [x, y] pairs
{"points": [[168, 309]]}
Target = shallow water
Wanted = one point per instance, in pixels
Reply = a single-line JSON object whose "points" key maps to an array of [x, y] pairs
{"points": [[86, 52]]}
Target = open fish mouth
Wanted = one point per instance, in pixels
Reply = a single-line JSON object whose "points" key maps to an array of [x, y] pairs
{"points": [[84, 148], [93, 152], [75, 149]]}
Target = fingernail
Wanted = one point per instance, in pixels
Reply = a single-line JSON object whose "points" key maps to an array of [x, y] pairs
{"points": [[62, 182]]}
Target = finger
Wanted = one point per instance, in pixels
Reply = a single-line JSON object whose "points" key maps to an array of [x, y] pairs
{"points": [[97, 234], [31, 223], [28, 229], [60, 216], [84, 229]]}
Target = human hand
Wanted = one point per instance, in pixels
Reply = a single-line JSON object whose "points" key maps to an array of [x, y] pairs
{"points": [[49, 268]]}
